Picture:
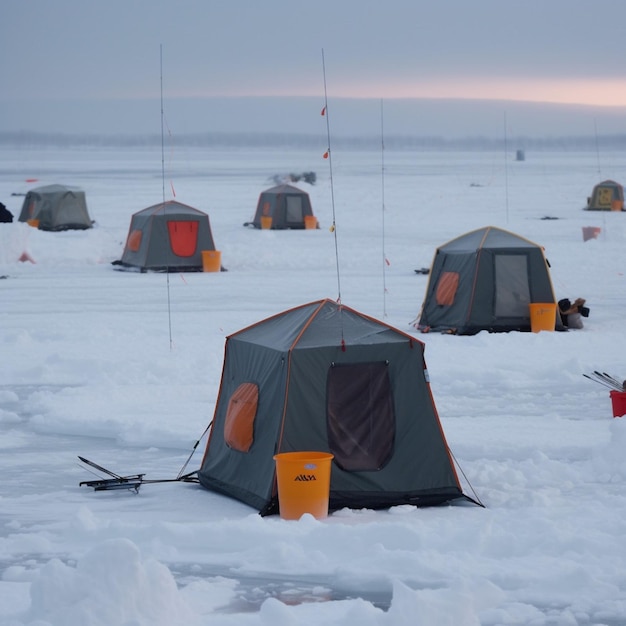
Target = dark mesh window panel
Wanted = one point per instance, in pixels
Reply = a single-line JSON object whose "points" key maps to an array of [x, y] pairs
{"points": [[360, 417], [512, 287], [294, 209]]}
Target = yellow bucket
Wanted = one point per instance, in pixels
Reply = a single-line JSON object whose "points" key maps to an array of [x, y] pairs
{"points": [[266, 222], [211, 260], [310, 222], [303, 483], [542, 316]]}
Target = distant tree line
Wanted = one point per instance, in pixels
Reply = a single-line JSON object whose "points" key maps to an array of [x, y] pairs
{"points": [[289, 140]]}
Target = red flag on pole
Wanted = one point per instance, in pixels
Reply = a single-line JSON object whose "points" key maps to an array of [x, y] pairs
{"points": [[325, 155], [323, 111]]}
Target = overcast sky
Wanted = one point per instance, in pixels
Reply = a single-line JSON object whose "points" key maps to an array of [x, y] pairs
{"points": [[70, 65]]}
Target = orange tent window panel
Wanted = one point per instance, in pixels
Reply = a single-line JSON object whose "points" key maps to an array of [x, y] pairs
{"points": [[240, 415], [183, 237], [447, 288], [134, 240]]}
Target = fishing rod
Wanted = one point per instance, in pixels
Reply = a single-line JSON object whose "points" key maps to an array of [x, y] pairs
{"points": [[596, 380], [618, 384], [167, 269], [131, 482], [621, 384], [382, 168], [329, 155], [595, 132], [506, 172], [134, 481], [606, 380]]}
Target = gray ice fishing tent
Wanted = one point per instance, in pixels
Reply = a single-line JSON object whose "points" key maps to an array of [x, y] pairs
{"points": [[56, 207], [485, 280], [167, 237], [606, 196], [287, 207], [323, 377]]}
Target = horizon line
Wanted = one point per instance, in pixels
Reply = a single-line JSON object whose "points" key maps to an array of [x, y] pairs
{"points": [[451, 99]]}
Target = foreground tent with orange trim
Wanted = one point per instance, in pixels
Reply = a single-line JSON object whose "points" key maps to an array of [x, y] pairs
{"points": [[167, 237], [485, 280], [323, 377]]}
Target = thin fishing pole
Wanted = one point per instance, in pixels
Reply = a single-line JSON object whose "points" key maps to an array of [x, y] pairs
{"points": [[329, 155], [595, 129], [506, 173], [167, 269], [382, 171], [162, 127]]}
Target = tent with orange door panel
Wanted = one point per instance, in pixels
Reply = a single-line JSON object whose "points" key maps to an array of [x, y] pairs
{"points": [[606, 196], [324, 377], [485, 280], [167, 237]]}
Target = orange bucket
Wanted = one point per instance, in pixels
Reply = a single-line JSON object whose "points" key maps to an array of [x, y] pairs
{"points": [[310, 222], [542, 316], [211, 260], [303, 483], [33, 222], [266, 222]]}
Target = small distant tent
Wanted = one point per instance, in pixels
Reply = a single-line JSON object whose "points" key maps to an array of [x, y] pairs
{"points": [[167, 237], [606, 196], [323, 377], [485, 280], [56, 207], [286, 205]]}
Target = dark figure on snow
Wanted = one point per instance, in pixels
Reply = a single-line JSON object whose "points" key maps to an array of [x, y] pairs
{"points": [[5, 214], [572, 313]]}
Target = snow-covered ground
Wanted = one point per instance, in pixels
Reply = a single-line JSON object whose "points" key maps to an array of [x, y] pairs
{"points": [[123, 368]]}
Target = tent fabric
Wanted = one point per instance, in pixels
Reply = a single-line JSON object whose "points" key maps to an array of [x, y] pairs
{"points": [[287, 205], [606, 196], [167, 237], [485, 280], [390, 446], [56, 207]]}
